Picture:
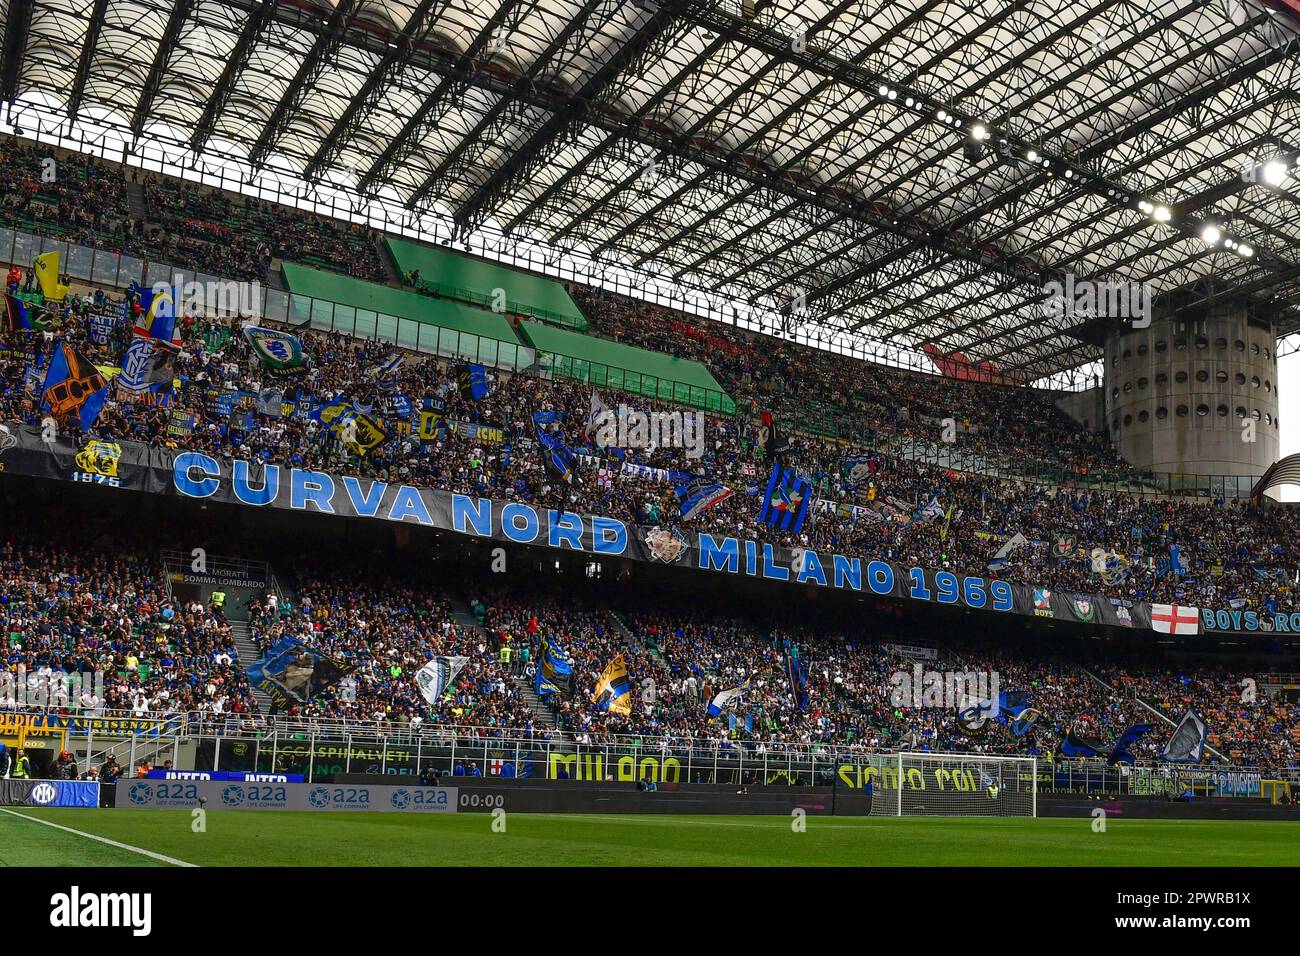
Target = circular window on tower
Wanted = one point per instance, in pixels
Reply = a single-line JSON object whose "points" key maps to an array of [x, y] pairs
{"points": [[1162, 413], [1162, 378], [1254, 348], [1128, 420], [1202, 376], [1180, 377], [1182, 411], [1202, 342], [1241, 411], [1202, 410], [1143, 383], [1143, 416], [1240, 378], [1239, 345], [1221, 377], [1254, 381], [1223, 411], [1128, 387], [1180, 344], [1143, 349], [1160, 345], [1221, 343]]}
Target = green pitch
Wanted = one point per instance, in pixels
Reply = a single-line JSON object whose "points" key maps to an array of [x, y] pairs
{"points": [[265, 838]]}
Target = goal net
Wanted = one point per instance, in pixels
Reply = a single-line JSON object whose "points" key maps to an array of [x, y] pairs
{"points": [[919, 784]]}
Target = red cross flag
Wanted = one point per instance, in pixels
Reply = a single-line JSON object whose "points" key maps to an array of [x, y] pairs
{"points": [[1175, 619]]}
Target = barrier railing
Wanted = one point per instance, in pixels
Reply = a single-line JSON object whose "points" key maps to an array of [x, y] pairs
{"points": [[319, 748]]}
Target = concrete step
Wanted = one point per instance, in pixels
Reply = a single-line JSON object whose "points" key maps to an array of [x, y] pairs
{"points": [[242, 636]]}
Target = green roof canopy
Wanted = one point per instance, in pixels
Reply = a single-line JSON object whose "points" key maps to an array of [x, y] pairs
{"points": [[613, 365], [332, 301], [475, 280]]}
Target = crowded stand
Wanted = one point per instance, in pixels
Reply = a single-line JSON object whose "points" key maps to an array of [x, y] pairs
{"points": [[84, 201], [236, 238], [1227, 553], [80, 599], [861, 437]]}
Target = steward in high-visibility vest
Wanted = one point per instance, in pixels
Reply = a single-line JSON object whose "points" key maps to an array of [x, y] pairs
{"points": [[22, 766], [219, 598]]}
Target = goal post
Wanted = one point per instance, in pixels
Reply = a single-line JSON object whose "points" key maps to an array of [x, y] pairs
{"points": [[939, 784]]}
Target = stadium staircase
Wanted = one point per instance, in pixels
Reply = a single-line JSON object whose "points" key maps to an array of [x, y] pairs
{"points": [[247, 651], [377, 240], [1156, 712], [135, 201], [463, 617]]}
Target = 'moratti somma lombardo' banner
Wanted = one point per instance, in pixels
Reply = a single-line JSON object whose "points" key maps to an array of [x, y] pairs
{"points": [[138, 467]]}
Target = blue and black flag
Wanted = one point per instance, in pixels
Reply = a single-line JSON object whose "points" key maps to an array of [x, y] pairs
{"points": [[1122, 751], [785, 504], [554, 671], [473, 382], [557, 456], [796, 670], [1076, 745]]}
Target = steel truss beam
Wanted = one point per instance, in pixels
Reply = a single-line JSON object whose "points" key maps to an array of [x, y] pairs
{"points": [[259, 19], [324, 48], [93, 27], [398, 54], [176, 21], [508, 114], [465, 73]]}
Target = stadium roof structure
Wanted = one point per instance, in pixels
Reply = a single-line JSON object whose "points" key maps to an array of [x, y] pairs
{"points": [[911, 172]]}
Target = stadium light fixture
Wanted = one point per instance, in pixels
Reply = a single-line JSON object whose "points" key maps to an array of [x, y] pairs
{"points": [[1211, 234], [1032, 156], [1162, 214], [979, 132], [942, 115], [1245, 251], [1145, 206], [884, 90], [1275, 172]]}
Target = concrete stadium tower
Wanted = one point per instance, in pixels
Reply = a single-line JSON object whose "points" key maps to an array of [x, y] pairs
{"points": [[1179, 392]]}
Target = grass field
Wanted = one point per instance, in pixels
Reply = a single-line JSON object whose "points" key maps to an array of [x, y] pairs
{"points": [[265, 838]]}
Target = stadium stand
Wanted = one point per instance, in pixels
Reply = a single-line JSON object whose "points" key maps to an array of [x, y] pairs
{"points": [[1028, 469]]}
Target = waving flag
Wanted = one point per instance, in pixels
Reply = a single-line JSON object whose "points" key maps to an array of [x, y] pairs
{"points": [[435, 677], [785, 504], [597, 415], [1187, 743], [558, 458], [472, 380], [278, 351], [385, 373], [74, 389], [613, 693], [723, 700], [1121, 752], [700, 495], [555, 669], [1075, 745], [47, 273], [18, 313], [797, 672]]}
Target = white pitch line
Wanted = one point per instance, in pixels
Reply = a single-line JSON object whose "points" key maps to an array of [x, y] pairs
{"points": [[91, 836]]}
